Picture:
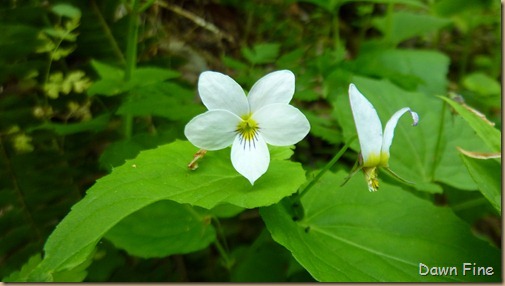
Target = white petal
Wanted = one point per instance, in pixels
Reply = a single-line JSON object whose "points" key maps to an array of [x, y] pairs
{"points": [[368, 126], [219, 91], [389, 131], [281, 124], [250, 158], [212, 130], [275, 87]]}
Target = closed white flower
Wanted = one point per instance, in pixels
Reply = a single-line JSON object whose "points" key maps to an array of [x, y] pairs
{"points": [[374, 144], [247, 123]]}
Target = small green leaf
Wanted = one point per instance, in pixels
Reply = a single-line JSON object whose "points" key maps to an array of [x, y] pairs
{"points": [[482, 84], [112, 80], [66, 10], [96, 124], [106, 71], [60, 33], [149, 75], [22, 274], [351, 235], [490, 135], [262, 53], [162, 229], [487, 176]]}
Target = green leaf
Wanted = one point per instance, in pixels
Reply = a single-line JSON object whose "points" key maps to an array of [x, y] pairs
{"points": [[419, 70], [487, 176], [60, 33], [490, 135], [148, 75], [351, 235], [96, 124], [19, 276], [331, 5], [112, 80], [406, 25], [106, 71], [164, 99], [482, 84], [416, 153], [117, 152], [262, 53], [162, 174], [263, 261], [451, 7], [226, 210], [162, 229], [323, 127], [66, 10]]}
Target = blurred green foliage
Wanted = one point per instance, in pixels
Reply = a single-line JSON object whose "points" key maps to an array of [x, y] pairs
{"points": [[86, 86]]}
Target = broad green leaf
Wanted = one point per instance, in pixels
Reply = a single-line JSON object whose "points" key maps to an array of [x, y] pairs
{"points": [[226, 210], [351, 235], [487, 175], [490, 135], [416, 153], [117, 152], [419, 70], [162, 229], [406, 25], [155, 175]]}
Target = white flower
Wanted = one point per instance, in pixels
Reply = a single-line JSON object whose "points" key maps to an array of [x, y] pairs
{"points": [[374, 144], [247, 123]]}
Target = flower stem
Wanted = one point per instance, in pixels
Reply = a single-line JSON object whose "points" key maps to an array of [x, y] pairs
{"points": [[223, 250], [131, 60], [327, 167], [439, 143]]}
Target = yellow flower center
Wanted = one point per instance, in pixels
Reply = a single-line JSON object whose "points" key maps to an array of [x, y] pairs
{"points": [[374, 160], [247, 129]]}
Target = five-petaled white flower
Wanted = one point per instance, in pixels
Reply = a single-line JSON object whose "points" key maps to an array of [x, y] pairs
{"points": [[247, 123], [374, 144]]}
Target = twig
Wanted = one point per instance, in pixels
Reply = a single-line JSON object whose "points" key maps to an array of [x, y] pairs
{"points": [[196, 19]]}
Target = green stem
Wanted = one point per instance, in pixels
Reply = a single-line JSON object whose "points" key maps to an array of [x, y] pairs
{"points": [[336, 28], [223, 250], [327, 167], [108, 33], [389, 22], [131, 60], [438, 145]]}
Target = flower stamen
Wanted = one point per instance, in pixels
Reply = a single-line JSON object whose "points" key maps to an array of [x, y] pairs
{"points": [[247, 131]]}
